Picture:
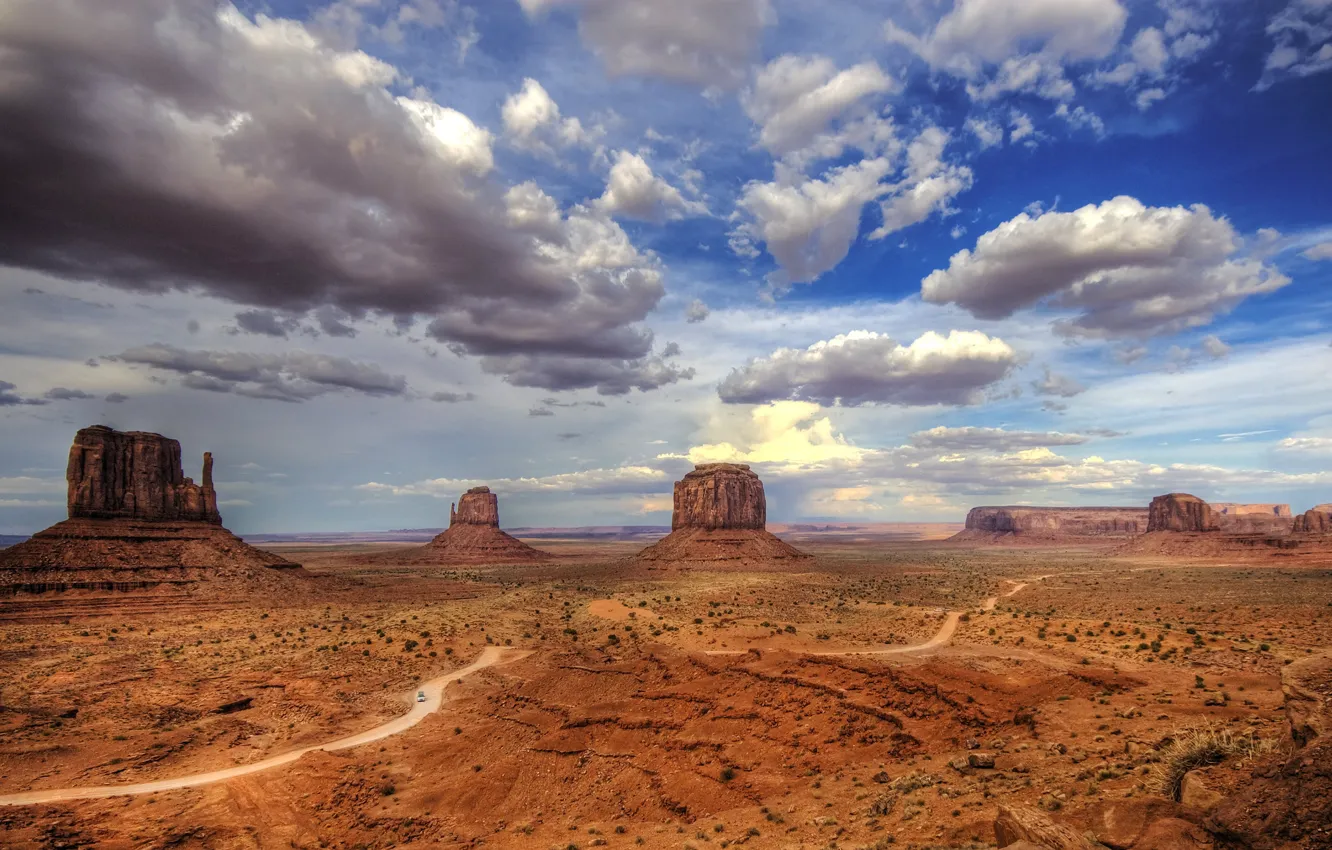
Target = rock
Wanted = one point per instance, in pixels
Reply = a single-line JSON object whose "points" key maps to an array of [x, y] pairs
{"points": [[478, 506], [473, 537], [1018, 823], [1053, 522], [1317, 520], [1236, 509], [720, 495], [1233, 518], [135, 475], [985, 761], [1173, 834], [136, 523], [1120, 823], [1307, 687], [1194, 793], [1180, 512], [720, 519]]}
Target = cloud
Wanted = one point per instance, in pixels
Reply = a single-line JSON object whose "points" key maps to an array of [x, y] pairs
{"points": [[704, 42], [9, 398], [796, 100], [532, 122], [929, 187], [1016, 46], [116, 398], [1214, 348], [292, 376], [271, 169], [540, 411], [633, 191], [1057, 385], [1321, 251], [991, 439], [1308, 445], [452, 398], [63, 394], [1128, 269], [863, 367], [987, 133], [576, 373], [788, 433], [632, 480], [1301, 37], [266, 323], [696, 312]]}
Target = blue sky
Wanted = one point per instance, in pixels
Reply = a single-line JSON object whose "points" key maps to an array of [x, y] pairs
{"points": [[904, 258]]}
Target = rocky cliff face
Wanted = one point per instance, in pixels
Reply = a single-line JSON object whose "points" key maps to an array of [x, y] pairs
{"points": [[720, 496], [478, 506], [1315, 521], [1057, 522], [1180, 512], [135, 475]]}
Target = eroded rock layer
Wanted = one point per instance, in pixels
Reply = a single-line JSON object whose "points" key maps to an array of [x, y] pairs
{"points": [[474, 537], [719, 519], [1024, 521], [1315, 521], [1180, 512], [135, 522]]}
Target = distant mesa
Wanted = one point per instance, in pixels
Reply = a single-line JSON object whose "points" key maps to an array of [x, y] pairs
{"points": [[993, 523], [474, 537], [1236, 509], [720, 519], [1180, 512], [135, 522]]}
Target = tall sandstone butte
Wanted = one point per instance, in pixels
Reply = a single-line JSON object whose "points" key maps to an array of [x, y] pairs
{"points": [[135, 523], [1180, 512], [474, 536], [720, 518], [135, 475]]}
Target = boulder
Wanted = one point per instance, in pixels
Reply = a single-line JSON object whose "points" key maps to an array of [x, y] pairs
{"points": [[1307, 687], [1194, 793], [1019, 823], [1180, 512], [1173, 834], [135, 475], [720, 519], [1120, 823]]}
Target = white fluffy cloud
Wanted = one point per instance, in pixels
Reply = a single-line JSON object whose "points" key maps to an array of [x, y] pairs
{"points": [[929, 186], [1008, 46], [533, 122], [1127, 269], [1321, 251], [705, 42], [633, 191], [796, 101], [863, 367]]}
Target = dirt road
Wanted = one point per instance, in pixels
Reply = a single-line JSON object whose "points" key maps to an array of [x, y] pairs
{"points": [[434, 691]]}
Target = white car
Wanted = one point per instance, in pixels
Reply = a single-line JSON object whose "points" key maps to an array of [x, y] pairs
{"points": [[420, 696]]}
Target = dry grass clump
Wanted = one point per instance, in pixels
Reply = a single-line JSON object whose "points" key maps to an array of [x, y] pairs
{"points": [[1201, 746]]}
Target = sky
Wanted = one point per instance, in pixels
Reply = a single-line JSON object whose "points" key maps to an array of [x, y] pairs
{"points": [[903, 258]]}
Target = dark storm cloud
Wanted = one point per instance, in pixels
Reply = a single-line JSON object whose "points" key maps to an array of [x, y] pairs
{"points": [[292, 376], [176, 144], [575, 373], [116, 398], [266, 323]]}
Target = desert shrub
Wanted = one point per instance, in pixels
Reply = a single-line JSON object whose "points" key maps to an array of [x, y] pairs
{"points": [[1200, 746]]}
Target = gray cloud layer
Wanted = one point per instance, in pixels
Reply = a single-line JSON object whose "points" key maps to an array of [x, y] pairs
{"points": [[197, 149]]}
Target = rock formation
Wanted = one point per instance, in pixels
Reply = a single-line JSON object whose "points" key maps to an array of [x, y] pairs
{"points": [[720, 519], [1233, 518], [474, 537], [1236, 509], [1180, 512], [1317, 520], [1053, 523], [135, 522]]}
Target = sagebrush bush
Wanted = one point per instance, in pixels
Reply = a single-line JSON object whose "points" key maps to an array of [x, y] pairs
{"points": [[1201, 746]]}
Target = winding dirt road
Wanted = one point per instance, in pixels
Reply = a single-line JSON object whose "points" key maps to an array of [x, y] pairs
{"points": [[941, 638], [434, 691]]}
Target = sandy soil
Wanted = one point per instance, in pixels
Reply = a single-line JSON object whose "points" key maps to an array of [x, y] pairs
{"points": [[676, 707]]}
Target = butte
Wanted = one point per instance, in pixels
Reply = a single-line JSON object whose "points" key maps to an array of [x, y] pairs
{"points": [[720, 520], [474, 537], [137, 523]]}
